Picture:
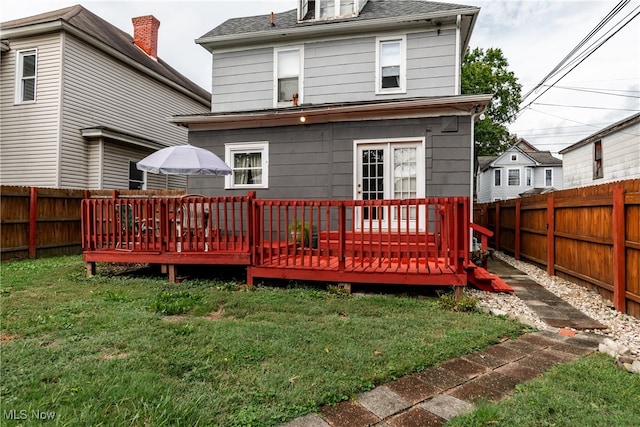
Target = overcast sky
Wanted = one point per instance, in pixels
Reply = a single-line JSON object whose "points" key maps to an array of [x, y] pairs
{"points": [[534, 36]]}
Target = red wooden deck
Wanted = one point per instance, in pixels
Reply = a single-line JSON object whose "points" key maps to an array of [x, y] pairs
{"points": [[417, 241]]}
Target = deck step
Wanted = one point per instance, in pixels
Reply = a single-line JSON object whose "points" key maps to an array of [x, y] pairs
{"points": [[483, 280]]}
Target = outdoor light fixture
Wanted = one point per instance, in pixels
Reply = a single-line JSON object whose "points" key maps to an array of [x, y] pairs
{"points": [[303, 119]]}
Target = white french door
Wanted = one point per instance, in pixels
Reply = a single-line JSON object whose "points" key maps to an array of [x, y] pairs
{"points": [[388, 170]]}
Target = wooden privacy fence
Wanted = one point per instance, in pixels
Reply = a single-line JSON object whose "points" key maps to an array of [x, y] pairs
{"points": [[41, 222], [589, 235]]}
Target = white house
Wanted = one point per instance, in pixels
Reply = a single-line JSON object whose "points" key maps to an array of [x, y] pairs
{"points": [[82, 101], [611, 154], [519, 171]]}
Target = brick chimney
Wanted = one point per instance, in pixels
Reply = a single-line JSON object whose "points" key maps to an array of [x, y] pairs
{"points": [[145, 34]]}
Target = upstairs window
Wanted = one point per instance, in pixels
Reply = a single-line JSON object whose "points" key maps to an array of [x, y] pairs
{"points": [[597, 160], [26, 76], [136, 177], [391, 65], [249, 162], [514, 177], [514, 157], [288, 71], [548, 177], [528, 176], [497, 177]]}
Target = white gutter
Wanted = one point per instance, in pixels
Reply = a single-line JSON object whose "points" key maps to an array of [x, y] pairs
{"points": [[335, 28], [60, 25]]}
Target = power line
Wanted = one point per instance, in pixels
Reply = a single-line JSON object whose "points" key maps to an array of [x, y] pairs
{"points": [[600, 91], [583, 56], [588, 107]]}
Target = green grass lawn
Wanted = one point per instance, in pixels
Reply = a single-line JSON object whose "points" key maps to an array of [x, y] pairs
{"points": [[591, 391], [110, 349]]}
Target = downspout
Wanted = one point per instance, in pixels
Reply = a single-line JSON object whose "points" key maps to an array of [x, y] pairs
{"points": [[476, 111], [459, 54]]}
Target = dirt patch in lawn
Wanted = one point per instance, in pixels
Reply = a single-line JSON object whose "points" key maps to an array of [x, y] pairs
{"points": [[7, 338], [112, 356], [216, 315]]}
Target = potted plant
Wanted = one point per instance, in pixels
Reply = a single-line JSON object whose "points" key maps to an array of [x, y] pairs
{"points": [[299, 232]]}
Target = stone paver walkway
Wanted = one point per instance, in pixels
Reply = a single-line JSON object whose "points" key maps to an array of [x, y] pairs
{"points": [[435, 395]]}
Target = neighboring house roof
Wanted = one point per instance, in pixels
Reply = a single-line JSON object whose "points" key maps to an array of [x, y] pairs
{"points": [[537, 190], [90, 25], [375, 12], [541, 158], [525, 145], [604, 132]]}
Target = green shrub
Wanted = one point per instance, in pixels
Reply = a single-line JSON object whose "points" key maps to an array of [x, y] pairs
{"points": [[464, 304]]}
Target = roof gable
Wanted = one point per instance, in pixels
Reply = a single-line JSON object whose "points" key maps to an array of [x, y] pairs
{"points": [[535, 159], [97, 28], [622, 124]]}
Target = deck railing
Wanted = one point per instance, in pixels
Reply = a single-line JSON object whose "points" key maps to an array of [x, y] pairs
{"points": [[176, 224], [361, 235]]}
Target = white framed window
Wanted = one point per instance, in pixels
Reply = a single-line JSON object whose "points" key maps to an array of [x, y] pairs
{"points": [[548, 177], [250, 164], [327, 9], [528, 177], [391, 65], [514, 177], [26, 76], [287, 79], [137, 178], [597, 160], [497, 177], [514, 157]]}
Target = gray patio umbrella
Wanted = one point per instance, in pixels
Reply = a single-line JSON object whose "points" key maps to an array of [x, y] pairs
{"points": [[184, 160]]}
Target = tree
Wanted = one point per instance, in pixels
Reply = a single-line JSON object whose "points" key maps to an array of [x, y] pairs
{"points": [[487, 72]]}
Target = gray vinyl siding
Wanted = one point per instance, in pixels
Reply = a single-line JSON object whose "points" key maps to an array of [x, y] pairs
{"points": [[338, 70], [100, 91], [242, 80], [316, 161], [29, 133]]}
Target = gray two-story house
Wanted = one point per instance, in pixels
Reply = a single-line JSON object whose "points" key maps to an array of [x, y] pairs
{"points": [[82, 101], [341, 99]]}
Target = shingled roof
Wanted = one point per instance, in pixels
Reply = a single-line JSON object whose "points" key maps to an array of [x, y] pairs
{"points": [[374, 10], [543, 158], [93, 26]]}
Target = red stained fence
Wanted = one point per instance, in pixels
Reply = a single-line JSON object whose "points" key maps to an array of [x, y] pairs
{"points": [[589, 235]]}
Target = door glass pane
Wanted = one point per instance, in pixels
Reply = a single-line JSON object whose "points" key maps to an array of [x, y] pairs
{"points": [[373, 180], [405, 176]]}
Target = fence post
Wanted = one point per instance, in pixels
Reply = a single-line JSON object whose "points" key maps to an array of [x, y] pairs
{"points": [[517, 230], [619, 273], [551, 243], [341, 234], [497, 233], [33, 222]]}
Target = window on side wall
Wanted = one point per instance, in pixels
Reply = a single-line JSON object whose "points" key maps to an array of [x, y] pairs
{"points": [[391, 65], [497, 177], [288, 75], [597, 160], [26, 74], [548, 177], [249, 162], [514, 177], [137, 178], [528, 177]]}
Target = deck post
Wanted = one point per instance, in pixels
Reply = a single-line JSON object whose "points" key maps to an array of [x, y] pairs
{"points": [[172, 272], [341, 235], [91, 268]]}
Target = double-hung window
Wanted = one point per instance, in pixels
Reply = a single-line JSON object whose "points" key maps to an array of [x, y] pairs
{"points": [[528, 177], [548, 177], [26, 76], [136, 177], [497, 177], [391, 66], [327, 9], [288, 76], [249, 162], [514, 177]]}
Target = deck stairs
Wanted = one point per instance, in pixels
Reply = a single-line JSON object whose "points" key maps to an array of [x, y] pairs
{"points": [[485, 281]]}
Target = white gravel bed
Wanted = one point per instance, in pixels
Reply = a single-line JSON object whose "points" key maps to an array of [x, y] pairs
{"points": [[622, 328]]}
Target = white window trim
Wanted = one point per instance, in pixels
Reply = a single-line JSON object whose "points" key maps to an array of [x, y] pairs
{"points": [[19, 68], [494, 177], [528, 176], [233, 147], [336, 6], [276, 50], [519, 177], [403, 65], [545, 177], [514, 157]]}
